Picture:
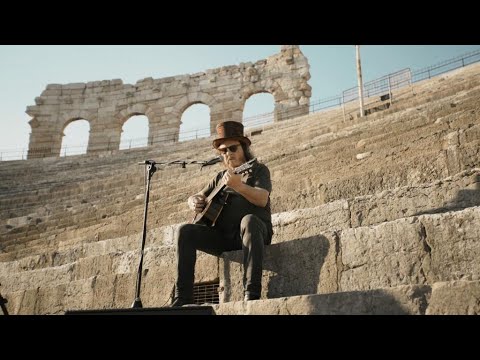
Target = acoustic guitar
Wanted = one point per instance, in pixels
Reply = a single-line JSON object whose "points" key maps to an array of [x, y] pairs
{"points": [[218, 199]]}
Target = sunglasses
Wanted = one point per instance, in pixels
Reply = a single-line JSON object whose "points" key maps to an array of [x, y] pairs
{"points": [[232, 148]]}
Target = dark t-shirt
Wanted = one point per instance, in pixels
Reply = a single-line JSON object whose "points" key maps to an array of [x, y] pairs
{"points": [[237, 206]]}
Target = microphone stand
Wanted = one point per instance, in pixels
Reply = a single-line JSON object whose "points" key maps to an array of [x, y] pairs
{"points": [[150, 168], [149, 171]]}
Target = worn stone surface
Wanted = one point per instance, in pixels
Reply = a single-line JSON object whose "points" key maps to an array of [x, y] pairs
{"points": [[389, 254], [455, 298], [401, 300], [416, 250], [303, 223], [452, 241], [301, 266], [456, 192]]}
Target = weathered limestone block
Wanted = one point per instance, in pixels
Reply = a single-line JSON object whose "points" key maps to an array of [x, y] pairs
{"points": [[37, 278], [390, 254], [459, 191], [453, 243], [310, 222], [455, 298]]}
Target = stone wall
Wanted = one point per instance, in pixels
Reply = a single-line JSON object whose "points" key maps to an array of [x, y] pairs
{"points": [[108, 104]]}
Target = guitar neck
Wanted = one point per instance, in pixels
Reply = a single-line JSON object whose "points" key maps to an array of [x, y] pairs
{"points": [[215, 191], [221, 186]]}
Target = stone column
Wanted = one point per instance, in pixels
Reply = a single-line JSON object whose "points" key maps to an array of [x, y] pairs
{"points": [[45, 138], [105, 132], [165, 130]]}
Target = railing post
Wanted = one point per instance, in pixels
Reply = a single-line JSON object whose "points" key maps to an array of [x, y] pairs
{"points": [[390, 90]]}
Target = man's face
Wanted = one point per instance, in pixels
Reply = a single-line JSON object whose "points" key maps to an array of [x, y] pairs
{"points": [[232, 152]]}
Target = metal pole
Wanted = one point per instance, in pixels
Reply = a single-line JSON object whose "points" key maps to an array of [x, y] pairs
{"points": [[390, 91], [150, 169], [343, 108], [360, 82]]}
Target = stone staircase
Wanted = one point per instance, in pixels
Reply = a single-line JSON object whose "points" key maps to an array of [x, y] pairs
{"points": [[375, 215]]}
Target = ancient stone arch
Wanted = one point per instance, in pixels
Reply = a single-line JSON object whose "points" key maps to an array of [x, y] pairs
{"points": [[108, 104]]}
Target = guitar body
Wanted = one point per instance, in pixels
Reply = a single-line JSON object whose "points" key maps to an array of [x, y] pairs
{"points": [[217, 200], [212, 211]]}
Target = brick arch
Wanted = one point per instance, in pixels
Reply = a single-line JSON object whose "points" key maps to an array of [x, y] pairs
{"points": [[267, 87], [192, 99], [107, 104], [69, 117], [132, 110]]}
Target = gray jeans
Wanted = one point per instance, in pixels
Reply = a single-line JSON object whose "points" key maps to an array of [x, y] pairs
{"points": [[251, 238]]}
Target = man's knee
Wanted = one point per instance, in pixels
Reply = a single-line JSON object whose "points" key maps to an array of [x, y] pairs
{"points": [[184, 234], [253, 230], [251, 222]]}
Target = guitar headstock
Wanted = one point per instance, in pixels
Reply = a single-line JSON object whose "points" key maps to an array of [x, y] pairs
{"points": [[245, 167]]}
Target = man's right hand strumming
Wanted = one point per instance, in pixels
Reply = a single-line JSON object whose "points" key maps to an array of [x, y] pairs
{"points": [[197, 203]]}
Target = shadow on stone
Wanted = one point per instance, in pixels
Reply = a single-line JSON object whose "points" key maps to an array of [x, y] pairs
{"points": [[294, 266], [465, 198], [407, 300], [290, 268]]}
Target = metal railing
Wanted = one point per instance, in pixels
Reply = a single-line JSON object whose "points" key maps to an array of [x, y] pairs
{"points": [[382, 86], [446, 66]]}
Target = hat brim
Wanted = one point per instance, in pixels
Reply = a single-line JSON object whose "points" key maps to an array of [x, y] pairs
{"points": [[218, 142]]}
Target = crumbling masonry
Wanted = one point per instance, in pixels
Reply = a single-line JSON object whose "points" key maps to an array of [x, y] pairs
{"points": [[108, 104]]}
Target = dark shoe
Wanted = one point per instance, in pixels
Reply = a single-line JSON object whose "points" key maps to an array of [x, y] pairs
{"points": [[177, 302], [251, 296]]}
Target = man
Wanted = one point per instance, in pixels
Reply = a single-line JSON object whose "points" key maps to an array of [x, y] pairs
{"points": [[244, 222]]}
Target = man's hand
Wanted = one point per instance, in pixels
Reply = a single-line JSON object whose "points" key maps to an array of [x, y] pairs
{"points": [[232, 180], [197, 203]]}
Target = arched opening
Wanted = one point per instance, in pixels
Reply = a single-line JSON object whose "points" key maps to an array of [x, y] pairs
{"points": [[75, 138], [134, 132], [195, 123], [258, 110]]}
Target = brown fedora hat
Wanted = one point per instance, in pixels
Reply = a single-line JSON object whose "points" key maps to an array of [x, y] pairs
{"points": [[231, 130]]}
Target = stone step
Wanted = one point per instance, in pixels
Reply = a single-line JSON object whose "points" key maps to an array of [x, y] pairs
{"points": [[414, 251], [313, 190], [417, 250], [116, 292], [442, 298], [55, 290], [453, 193]]}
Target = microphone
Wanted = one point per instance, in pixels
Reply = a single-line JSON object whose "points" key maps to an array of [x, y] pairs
{"points": [[212, 161], [147, 162]]}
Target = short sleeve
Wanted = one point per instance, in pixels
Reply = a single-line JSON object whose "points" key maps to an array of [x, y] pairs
{"points": [[261, 178]]}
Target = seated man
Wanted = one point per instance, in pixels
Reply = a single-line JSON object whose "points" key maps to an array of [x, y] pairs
{"points": [[244, 222]]}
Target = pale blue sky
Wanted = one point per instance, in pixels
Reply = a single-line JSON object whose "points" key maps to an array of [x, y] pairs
{"points": [[25, 70]]}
